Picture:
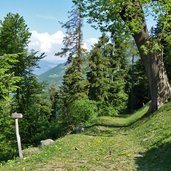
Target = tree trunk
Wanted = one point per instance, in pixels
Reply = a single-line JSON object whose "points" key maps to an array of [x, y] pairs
{"points": [[152, 60]]}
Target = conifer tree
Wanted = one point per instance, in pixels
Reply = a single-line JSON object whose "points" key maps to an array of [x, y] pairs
{"points": [[74, 83], [73, 77], [54, 97], [14, 39], [99, 72], [106, 77], [138, 90], [119, 64], [7, 86]]}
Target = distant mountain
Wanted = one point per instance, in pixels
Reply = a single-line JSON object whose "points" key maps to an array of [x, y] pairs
{"points": [[45, 65], [54, 75]]}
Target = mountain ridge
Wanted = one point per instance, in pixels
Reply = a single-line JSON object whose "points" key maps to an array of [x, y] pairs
{"points": [[54, 75]]}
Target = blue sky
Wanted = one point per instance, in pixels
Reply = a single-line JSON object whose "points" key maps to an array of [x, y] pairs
{"points": [[41, 15], [42, 18]]}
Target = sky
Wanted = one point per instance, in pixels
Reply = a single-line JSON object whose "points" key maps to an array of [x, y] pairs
{"points": [[42, 18]]}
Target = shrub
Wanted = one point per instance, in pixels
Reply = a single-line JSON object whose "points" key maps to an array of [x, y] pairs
{"points": [[82, 111], [106, 110]]}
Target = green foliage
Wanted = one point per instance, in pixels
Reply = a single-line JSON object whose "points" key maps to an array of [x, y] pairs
{"points": [[106, 76], [74, 88], [7, 86], [36, 110], [7, 136], [137, 85], [7, 79], [98, 74], [81, 111], [106, 110], [14, 34], [54, 97]]}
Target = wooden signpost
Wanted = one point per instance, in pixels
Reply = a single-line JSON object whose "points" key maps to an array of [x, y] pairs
{"points": [[17, 116]]}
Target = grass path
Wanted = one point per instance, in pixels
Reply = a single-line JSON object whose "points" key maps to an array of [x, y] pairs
{"points": [[122, 120]]}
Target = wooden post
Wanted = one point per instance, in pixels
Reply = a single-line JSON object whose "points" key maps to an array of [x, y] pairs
{"points": [[17, 116]]}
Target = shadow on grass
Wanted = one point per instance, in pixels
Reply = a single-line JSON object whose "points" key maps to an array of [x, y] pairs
{"points": [[106, 125], [105, 131], [111, 129], [156, 159], [120, 122]]}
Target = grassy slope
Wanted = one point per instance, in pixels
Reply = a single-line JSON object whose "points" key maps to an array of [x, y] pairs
{"points": [[145, 146]]}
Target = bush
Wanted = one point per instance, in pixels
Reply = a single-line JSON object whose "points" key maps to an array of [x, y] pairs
{"points": [[82, 111], [106, 110]]}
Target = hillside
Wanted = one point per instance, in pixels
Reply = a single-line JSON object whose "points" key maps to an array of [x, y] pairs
{"points": [[54, 75], [143, 146]]}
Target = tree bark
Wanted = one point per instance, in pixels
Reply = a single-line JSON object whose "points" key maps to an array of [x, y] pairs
{"points": [[152, 59]]}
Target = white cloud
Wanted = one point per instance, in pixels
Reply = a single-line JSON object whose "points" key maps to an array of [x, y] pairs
{"points": [[52, 43], [93, 40], [88, 43], [45, 41], [48, 43], [84, 46]]}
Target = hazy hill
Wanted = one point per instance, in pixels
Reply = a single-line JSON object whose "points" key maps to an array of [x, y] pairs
{"points": [[54, 75]]}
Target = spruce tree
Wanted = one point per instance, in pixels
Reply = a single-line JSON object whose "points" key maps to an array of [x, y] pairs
{"points": [[137, 86], [99, 72], [119, 65], [106, 77], [74, 83], [14, 39], [54, 97], [7, 86]]}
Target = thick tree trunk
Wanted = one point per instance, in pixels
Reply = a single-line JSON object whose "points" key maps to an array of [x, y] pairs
{"points": [[152, 60]]}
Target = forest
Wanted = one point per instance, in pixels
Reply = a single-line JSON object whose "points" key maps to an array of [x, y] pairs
{"points": [[129, 67]]}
